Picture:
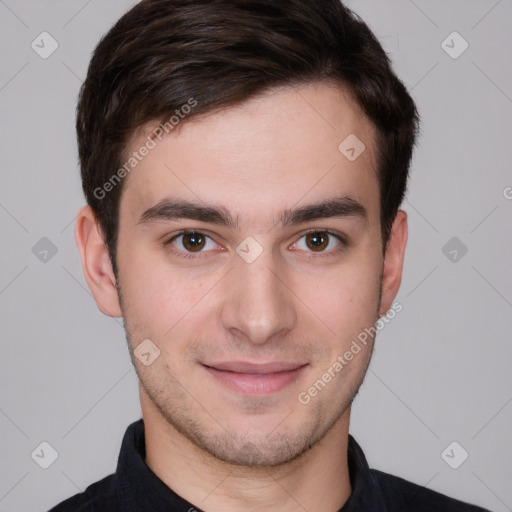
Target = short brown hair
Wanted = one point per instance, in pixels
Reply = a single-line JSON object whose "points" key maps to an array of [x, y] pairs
{"points": [[162, 53]]}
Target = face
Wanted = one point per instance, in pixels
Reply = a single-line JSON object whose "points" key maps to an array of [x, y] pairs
{"points": [[277, 273]]}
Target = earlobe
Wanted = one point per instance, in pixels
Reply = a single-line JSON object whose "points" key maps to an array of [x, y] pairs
{"points": [[96, 264], [393, 262]]}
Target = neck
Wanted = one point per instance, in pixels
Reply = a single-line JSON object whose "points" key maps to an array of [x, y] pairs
{"points": [[317, 480]]}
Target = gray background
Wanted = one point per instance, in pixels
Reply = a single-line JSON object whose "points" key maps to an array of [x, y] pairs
{"points": [[441, 371]]}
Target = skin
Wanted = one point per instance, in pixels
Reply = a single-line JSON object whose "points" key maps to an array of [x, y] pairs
{"points": [[218, 448]]}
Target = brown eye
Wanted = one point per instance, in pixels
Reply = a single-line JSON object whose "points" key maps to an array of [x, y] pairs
{"points": [[323, 243], [193, 241], [317, 241], [192, 244]]}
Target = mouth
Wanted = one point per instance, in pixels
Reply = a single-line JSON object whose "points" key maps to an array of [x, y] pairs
{"points": [[255, 379]]}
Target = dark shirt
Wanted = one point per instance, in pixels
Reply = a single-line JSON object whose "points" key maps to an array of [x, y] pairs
{"points": [[134, 487]]}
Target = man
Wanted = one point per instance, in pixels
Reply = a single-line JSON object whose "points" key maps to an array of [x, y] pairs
{"points": [[244, 162]]}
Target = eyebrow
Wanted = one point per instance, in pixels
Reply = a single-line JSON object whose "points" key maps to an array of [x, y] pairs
{"points": [[173, 209]]}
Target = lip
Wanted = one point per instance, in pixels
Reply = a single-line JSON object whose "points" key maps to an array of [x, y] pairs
{"points": [[255, 379]]}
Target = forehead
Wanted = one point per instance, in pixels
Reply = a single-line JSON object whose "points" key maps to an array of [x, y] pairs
{"points": [[288, 146]]}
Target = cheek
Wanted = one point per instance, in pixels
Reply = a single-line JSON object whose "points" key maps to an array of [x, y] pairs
{"points": [[147, 298], [160, 301], [345, 299]]}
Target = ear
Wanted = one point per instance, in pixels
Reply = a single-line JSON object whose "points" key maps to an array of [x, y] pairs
{"points": [[96, 264], [393, 262]]}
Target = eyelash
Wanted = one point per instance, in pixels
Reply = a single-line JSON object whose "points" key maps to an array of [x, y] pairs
{"points": [[344, 243]]}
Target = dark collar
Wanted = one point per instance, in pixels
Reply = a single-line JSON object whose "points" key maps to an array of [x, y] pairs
{"points": [[140, 489]]}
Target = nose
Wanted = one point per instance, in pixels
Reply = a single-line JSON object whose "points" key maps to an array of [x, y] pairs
{"points": [[259, 305]]}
